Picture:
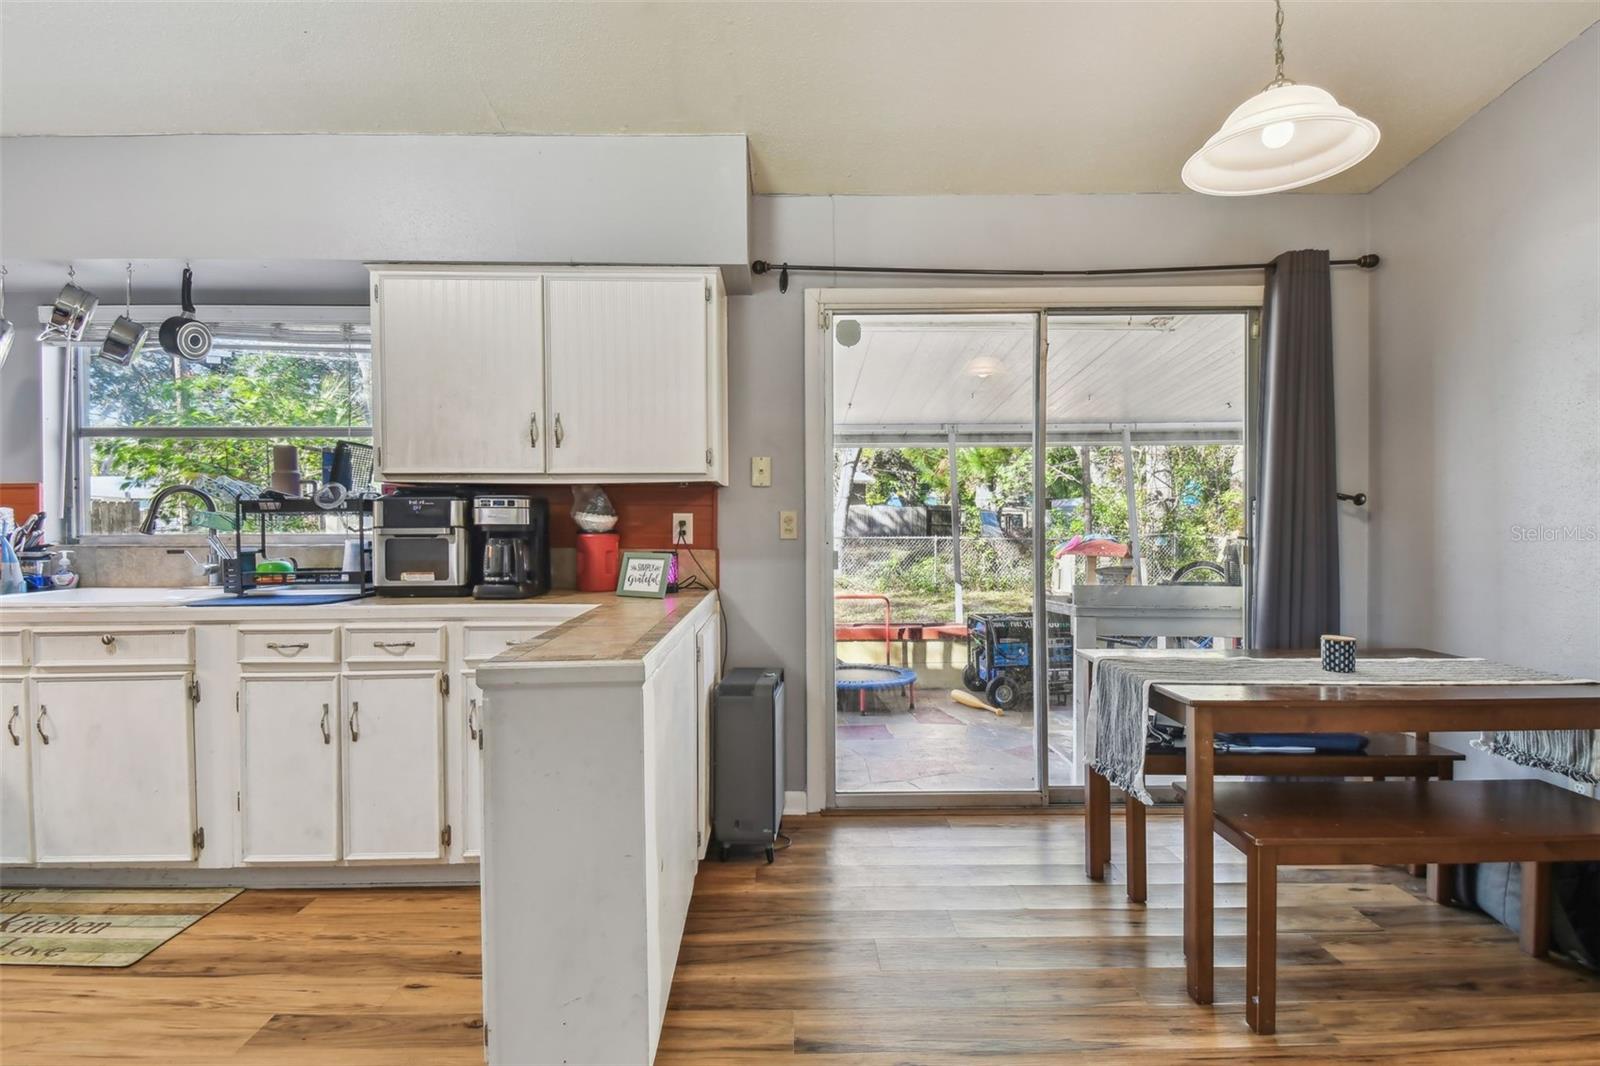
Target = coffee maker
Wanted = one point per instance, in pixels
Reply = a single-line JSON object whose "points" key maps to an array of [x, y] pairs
{"points": [[512, 539]]}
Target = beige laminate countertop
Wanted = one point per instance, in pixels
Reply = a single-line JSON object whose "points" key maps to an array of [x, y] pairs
{"points": [[619, 629], [611, 628]]}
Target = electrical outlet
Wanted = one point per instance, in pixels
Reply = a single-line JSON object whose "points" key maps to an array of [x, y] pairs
{"points": [[788, 525], [761, 471], [683, 528]]}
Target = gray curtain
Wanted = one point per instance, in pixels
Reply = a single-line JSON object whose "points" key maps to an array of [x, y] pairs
{"points": [[1296, 561]]}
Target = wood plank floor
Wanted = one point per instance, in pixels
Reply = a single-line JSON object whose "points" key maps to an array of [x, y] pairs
{"points": [[874, 939]]}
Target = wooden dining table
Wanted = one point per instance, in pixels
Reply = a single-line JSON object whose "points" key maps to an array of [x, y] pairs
{"points": [[1204, 710]]}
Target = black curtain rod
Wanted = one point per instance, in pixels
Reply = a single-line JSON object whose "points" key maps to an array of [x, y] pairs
{"points": [[762, 266]]}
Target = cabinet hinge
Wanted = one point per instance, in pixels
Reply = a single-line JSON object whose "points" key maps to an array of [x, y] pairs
{"points": [[199, 840], [377, 290], [444, 837], [697, 838], [444, 684], [377, 457], [1255, 328], [236, 698], [238, 801], [708, 292], [708, 456], [824, 319], [194, 690]]}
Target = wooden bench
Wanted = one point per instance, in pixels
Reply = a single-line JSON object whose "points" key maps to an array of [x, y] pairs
{"points": [[1387, 755], [1340, 822]]}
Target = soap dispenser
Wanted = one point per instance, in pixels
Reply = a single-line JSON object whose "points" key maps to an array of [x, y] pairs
{"points": [[64, 577]]}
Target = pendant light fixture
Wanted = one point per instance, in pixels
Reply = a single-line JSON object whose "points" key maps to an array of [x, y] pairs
{"points": [[1285, 136]]}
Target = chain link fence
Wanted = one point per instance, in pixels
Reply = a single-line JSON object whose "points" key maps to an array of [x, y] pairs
{"points": [[918, 573], [918, 576]]}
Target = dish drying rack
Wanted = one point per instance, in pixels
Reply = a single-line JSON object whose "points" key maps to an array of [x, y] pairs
{"points": [[239, 573]]}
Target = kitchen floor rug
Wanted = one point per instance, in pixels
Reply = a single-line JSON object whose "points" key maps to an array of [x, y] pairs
{"points": [[97, 926]]}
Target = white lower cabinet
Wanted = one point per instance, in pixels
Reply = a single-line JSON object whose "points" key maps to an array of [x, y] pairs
{"points": [[289, 742], [16, 797], [393, 772], [113, 768], [472, 769]]}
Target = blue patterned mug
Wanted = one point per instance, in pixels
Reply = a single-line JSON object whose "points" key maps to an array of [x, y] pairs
{"points": [[1338, 654]]}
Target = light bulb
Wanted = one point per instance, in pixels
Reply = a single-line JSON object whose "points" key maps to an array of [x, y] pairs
{"points": [[1277, 135]]}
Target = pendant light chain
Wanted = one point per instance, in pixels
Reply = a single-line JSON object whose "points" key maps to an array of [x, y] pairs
{"points": [[1277, 48]]}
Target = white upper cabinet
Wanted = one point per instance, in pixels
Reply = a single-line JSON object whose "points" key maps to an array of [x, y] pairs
{"points": [[490, 373], [627, 370], [460, 385]]}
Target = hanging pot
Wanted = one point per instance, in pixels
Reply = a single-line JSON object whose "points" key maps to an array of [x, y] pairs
{"points": [[184, 335], [70, 314], [125, 337], [123, 340]]}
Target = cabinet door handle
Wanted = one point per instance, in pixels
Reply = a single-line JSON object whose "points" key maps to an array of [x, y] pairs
{"points": [[11, 725], [108, 639], [390, 645], [355, 722], [327, 737], [472, 715], [561, 434], [38, 723], [533, 430], [290, 648]]}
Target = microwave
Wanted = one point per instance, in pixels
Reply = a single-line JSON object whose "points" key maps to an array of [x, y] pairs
{"points": [[421, 546]]}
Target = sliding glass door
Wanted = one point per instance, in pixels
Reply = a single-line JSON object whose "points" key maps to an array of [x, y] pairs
{"points": [[1000, 487], [1146, 474], [932, 589]]}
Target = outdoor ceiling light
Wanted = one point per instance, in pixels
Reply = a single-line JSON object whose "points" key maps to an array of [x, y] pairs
{"points": [[1283, 137]]}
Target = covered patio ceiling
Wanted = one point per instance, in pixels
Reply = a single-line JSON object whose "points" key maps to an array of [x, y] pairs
{"points": [[923, 379]]}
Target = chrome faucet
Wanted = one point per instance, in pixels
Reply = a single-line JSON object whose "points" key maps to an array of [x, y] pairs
{"points": [[148, 526], [212, 566]]}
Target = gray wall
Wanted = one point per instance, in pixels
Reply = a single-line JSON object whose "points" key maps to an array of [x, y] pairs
{"points": [[634, 200], [764, 577], [1486, 391]]}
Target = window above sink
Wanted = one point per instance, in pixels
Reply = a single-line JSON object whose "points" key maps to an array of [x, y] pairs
{"points": [[276, 376]]}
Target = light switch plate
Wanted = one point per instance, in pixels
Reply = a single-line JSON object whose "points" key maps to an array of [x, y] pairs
{"points": [[685, 522], [788, 525], [761, 471]]}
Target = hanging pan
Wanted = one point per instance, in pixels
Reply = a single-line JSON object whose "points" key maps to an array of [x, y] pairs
{"points": [[184, 335]]}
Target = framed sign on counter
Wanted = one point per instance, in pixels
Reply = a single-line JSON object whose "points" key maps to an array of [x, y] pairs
{"points": [[644, 574]]}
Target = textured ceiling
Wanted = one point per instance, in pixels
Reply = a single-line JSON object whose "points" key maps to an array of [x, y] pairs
{"points": [[835, 97]]}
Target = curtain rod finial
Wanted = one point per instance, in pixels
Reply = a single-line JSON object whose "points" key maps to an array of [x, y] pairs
{"points": [[1368, 261]]}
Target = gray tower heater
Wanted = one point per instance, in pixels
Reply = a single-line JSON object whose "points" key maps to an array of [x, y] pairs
{"points": [[747, 760]]}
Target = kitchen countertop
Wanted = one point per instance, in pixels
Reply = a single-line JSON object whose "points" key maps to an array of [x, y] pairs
{"points": [[618, 629], [588, 627]]}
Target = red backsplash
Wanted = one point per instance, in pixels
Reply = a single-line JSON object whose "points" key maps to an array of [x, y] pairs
{"points": [[644, 513], [27, 499]]}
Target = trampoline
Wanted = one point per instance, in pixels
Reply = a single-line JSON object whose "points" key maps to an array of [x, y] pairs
{"points": [[862, 678]]}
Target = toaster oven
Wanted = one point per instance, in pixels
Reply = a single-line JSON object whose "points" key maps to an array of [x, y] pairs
{"points": [[421, 546]]}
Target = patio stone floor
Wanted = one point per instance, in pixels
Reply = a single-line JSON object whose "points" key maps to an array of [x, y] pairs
{"points": [[944, 747]]}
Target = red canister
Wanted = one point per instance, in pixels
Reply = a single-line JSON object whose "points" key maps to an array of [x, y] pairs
{"points": [[599, 562]]}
